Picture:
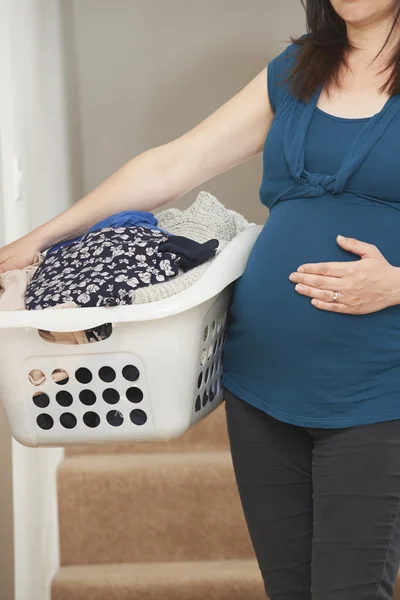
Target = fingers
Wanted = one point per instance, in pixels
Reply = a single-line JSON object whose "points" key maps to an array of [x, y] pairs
{"points": [[317, 281], [361, 248], [331, 306], [323, 295], [324, 299], [331, 269]]}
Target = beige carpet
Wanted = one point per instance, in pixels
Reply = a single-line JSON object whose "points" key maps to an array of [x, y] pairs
{"points": [[155, 522]]}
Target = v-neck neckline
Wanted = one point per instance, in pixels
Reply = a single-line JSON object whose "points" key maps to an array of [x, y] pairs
{"points": [[296, 131]]}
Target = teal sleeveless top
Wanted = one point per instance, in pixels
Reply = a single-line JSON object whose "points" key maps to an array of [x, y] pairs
{"points": [[322, 176]]}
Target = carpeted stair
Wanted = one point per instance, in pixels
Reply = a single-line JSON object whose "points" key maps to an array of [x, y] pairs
{"points": [[155, 521]]}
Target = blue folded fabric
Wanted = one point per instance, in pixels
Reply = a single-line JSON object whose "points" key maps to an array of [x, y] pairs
{"points": [[128, 218]]}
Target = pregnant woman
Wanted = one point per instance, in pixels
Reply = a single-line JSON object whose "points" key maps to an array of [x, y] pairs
{"points": [[312, 359]]}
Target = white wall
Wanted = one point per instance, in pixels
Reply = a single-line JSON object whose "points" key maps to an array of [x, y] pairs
{"points": [[149, 70], [35, 141]]}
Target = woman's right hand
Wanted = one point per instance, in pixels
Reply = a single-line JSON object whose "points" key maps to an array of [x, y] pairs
{"points": [[18, 254]]}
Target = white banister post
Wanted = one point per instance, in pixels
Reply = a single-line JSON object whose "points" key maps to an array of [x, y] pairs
{"points": [[34, 186]]}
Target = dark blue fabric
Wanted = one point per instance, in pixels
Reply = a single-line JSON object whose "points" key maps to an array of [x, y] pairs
{"points": [[107, 266], [127, 218], [190, 254], [322, 176], [104, 269]]}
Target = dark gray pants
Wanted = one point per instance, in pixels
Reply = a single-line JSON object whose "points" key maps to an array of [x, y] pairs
{"points": [[321, 505]]}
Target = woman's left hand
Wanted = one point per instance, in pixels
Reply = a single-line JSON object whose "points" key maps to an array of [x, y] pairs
{"points": [[362, 286]]}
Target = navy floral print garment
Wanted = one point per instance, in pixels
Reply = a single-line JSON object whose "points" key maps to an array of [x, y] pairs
{"points": [[103, 269]]}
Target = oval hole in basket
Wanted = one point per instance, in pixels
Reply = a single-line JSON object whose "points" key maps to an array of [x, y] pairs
{"points": [[41, 400], [107, 374], [87, 397], [83, 375], [198, 404], [64, 398], [91, 419], [68, 420], [45, 422], [111, 396], [60, 376], [134, 395], [203, 358], [115, 418], [130, 373], [213, 329], [212, 369], [205, 333], [138, 417], [37, 377]]}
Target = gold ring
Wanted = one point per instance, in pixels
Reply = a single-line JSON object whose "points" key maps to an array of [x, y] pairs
{"points": [[335, 296]]}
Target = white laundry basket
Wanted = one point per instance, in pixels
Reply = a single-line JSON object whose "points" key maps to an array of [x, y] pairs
{"points": [[157, 375]]}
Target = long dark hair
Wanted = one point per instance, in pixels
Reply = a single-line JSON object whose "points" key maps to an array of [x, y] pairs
{"points": [[323, 51]]}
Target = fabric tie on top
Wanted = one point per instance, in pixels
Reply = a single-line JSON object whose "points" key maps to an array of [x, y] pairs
{"points": [[296, 118], [316, 184]]}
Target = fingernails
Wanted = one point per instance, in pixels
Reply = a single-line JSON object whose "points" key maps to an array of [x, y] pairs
{"points": [[341, 238], [301, 269], [293, 277], [299, 288]]}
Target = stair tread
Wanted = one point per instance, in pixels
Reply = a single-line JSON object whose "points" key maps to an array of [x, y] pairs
{"points": [[97, 463], [134, 572], [236, 579]]}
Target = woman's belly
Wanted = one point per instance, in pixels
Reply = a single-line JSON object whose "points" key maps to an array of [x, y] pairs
{"points": [[286, 351]]}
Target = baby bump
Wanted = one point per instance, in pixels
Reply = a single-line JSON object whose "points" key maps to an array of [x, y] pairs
{"points": [[280, 328]]}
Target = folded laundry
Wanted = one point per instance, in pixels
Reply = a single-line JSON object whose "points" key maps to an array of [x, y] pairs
{"points": [[103, 269], [128, 218], [190, 239], [13, 285], [207, 218], [189, 253], [107, 266]]}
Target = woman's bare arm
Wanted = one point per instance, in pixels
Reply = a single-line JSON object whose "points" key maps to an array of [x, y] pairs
{"points": [[228, 137]]}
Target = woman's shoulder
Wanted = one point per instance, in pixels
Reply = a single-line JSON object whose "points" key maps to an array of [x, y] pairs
{"points": [[285, 60], [279, 69], [288, 54]]}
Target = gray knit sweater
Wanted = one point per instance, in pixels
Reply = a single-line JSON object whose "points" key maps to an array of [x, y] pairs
{"points": [[204, 220]]}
